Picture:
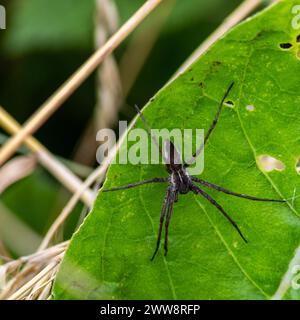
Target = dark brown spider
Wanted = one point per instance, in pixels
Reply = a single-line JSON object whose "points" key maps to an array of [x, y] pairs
{"points": [[180, 182]]}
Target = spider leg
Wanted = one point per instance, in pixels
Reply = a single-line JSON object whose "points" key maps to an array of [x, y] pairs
{"points": [[198, 190], [210, 130], [136, 184], [153, 137], [162, 217], [240, 195], [173, 195], [176, 197]]}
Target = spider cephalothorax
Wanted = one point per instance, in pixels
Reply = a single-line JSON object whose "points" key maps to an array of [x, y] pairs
{"points": [[180, 182]]}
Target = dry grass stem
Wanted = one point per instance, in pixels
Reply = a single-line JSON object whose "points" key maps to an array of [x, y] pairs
{"points": [[46, 159], [31, 277], [108, 84], [15, 170]]}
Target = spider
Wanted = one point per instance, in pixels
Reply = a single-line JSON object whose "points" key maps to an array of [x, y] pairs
{"points": [[180, 182]]}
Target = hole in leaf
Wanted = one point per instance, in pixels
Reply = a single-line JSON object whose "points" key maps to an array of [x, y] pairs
{"points": [[285, 45], [268, 163], [250, 108], [298, 166], [229, 104], [298, 38]]}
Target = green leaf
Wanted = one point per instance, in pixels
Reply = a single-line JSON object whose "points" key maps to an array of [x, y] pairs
{"points": [[109, 257], [51, 25]]}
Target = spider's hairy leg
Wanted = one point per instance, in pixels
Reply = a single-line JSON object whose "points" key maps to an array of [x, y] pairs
{"points": [[210, 130], [198, 190], [173, 196], [136, 184], [161, 221], [240, 195]]}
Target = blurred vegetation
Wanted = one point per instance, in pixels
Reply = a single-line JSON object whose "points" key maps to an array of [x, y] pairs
{"points": [[45, 42]]}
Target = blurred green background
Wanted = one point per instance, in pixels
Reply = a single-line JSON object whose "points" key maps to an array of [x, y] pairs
{"points": [[44, 43]]}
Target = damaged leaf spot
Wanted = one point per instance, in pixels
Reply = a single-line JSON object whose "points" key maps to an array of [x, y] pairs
{"points": [[268, 163], [229, 104], [250, 108], [298, 165], [285, 45]]}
